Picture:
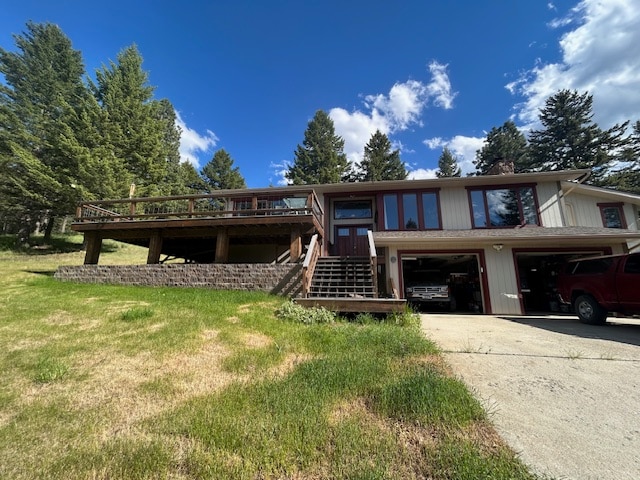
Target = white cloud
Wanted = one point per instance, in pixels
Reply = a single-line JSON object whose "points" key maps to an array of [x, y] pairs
{"points": [[464, 148], [191, 142], [280, 170], [600, 55], [422, 173], [396, 111]]}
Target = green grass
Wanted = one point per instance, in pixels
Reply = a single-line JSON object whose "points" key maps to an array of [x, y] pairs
{"points": [[104, 381]]}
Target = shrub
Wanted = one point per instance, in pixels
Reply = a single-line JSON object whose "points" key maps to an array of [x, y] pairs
{"points": [[293, 312]]}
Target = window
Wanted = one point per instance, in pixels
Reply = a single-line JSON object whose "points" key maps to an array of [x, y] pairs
{"points": [[503, 207], [411, 211], [612, 216], [352, 209]]}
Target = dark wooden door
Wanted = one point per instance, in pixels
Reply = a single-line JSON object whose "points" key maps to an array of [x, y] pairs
{"points": [[352, 240]]}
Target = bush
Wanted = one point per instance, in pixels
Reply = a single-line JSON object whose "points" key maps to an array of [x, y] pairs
{"points": [[293, 312]]}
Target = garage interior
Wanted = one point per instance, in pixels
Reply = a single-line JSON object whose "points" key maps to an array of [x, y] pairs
{"points": [[459, 272], [537, 276]]}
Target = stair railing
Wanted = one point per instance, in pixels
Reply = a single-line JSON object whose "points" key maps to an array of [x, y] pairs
{"points": [[309, 264], [373, 256]]}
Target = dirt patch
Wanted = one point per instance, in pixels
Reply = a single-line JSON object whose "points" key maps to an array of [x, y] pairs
{"points": [[256, 340], [289, 363]]}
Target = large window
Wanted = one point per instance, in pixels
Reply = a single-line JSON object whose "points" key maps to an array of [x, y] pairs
{"points": [[504, 207], [612, 216], [411, 211], [352, 209]]}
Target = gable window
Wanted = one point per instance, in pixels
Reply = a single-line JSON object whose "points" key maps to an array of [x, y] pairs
{"points": [[503, 207], [411, 211], [612, 215], [352, 209]]}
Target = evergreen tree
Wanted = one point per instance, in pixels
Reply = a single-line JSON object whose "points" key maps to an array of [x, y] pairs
{"points": [[570, 139], [505, 142], [219, 173], [141, 131], [448, 165], [626, 174], [42, 95], [320, 158], [380, 162]]}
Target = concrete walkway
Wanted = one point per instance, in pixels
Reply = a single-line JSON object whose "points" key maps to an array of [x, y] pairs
{"points": [[566, 396]]}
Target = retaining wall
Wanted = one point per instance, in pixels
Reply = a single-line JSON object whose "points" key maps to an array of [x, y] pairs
{"points": [[281, 279]]}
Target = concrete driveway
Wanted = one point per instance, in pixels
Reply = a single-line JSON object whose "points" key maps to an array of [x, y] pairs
{"points": [[566, 396]]}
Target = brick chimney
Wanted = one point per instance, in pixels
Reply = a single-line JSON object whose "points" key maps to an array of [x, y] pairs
{"points": [[502, 167]]}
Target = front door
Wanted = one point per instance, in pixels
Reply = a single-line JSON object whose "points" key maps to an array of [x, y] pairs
{"points": [[352, 241]]}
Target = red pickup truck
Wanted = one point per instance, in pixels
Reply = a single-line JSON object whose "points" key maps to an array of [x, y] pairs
{"points": [[596, 286]]}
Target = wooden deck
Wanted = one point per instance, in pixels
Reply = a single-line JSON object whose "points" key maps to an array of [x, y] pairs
{"points": [[355, 305], [203, 228]]}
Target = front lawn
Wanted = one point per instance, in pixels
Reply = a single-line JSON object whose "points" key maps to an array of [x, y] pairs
{"points": [[132, 382]]}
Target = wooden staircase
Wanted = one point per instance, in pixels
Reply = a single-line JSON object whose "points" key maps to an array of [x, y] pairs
{"points": [[343, 277]]}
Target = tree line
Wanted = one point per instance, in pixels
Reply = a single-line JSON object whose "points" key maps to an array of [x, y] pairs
{"points": [[65, 138]]}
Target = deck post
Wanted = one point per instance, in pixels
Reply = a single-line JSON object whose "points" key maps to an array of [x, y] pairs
{"points": [[94, 245], [222, 246], [155, 248], [296, 245]]}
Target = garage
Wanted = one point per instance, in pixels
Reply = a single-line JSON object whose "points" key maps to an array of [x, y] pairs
{"points": [[537, 273], [442, 283]]}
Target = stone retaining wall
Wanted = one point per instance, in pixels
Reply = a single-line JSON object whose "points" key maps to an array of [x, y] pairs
{"points": [[282, 279]]}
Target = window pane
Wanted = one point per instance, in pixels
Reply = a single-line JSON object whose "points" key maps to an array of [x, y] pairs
{"points": [[477, 204], [391, 212], [633, 264], [612, 217], [343, 232], [503, 208], [362, 231], [353, 209], [410, 207], [430, 211], [528, 206]]}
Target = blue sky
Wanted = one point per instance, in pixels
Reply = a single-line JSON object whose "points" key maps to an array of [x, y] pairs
{"points": [[247, 76]]}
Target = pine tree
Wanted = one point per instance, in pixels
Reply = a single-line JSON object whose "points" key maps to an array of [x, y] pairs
{"points": [[320, 158], [43, 94], [570, 139], [626, 175], [141, 131], [448, 165], [380, 162], [219, 173], [505, 142]]}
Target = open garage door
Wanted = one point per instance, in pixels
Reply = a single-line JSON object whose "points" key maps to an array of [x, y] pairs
{"points": [[442, 283], [537, 277]]}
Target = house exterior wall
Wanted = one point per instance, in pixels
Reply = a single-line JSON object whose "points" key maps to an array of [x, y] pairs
{"points": [[502, 281], [551, 212], [586, 212], [454, 206]]}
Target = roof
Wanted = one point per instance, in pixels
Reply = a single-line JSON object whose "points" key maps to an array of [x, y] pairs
{"points": [[513, 236], [605, 193]]}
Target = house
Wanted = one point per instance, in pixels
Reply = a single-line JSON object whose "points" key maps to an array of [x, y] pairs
{"points": [[497, 240]]}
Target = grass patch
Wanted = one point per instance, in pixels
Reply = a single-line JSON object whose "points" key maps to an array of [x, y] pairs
{"points": [[50, 370], [134, 314], [102, 381]]}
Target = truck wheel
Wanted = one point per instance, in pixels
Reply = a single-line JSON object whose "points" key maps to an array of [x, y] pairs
{"points": [[589, 311]]}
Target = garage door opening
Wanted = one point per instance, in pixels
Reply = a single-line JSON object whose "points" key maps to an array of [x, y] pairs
{"points": [[537, 276], [442, 283]]}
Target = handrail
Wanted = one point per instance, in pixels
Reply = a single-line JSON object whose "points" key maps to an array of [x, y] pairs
{"points": [[225, 203], [373, 255], [309, 264]]}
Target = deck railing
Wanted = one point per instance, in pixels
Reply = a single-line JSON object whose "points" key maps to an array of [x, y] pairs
{"points": [[217, 205], [373, 256], [309, 264]]}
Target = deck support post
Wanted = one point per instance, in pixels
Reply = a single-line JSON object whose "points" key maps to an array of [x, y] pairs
{"points": [[93, 242], [296, 245], [155, 249], [222, 246]]}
